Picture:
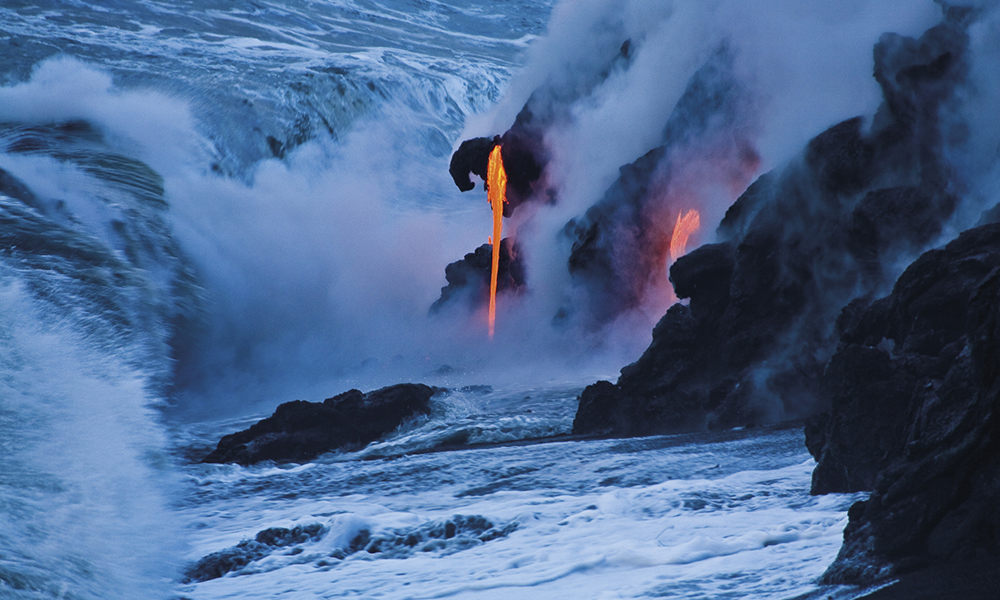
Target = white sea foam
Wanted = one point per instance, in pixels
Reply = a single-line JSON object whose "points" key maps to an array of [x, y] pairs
{"points": [[729, 516]]}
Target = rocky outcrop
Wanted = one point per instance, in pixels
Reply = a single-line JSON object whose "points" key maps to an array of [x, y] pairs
{"points": [[469, 278], [472, 157], [915, 416], [523, 157], [266, 542], [653, 394], [299, 431], [439, 537], [797, 246]]}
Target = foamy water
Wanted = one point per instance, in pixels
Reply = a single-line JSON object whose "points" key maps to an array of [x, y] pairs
{"points": [[716, 515], [84, 477]]}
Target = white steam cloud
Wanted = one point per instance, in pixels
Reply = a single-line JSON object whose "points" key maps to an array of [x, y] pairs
{"points": [[804, 66]]}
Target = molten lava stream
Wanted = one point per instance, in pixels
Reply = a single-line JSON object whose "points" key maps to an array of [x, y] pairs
{"points": [[496, 182], [687, 223]]}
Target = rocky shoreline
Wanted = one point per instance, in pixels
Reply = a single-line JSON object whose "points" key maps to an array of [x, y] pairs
{"points": [[915, 393]]}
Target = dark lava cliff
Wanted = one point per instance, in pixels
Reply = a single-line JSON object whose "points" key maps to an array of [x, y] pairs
{"points": [[915, 416], [801, 243]]}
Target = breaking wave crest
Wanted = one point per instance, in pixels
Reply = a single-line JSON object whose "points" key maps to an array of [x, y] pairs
{"points": [[84, 482]]}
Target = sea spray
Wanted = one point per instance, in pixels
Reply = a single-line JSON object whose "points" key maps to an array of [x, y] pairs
{"points": [[85, 484]]}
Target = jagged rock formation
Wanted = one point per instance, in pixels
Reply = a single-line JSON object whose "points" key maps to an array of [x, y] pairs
{"points": [[266, 542], [797, 246], [299, 431], [469, 278], [472, 157], [915, 416], [523, 157]]}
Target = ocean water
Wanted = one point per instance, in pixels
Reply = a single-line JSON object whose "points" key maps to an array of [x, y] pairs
{"points": [[209, 207], [723, 515]]}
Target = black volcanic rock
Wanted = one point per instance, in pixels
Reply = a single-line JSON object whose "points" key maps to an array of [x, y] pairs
{"points": [[299, 431], [524, 159], [800, 244], [522, 146], [661, 392], [914, 390], [890, 349], [472, 156], [469, 278], [439, 537], [219, 563]]}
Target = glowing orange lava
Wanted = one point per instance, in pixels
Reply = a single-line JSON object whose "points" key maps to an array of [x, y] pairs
{"points": [[496, 182], [687, 223]]}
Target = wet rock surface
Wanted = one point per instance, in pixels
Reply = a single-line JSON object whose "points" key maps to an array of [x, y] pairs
{"points": [[266, 542], [436, 538], [797, 246], [299, 431]]}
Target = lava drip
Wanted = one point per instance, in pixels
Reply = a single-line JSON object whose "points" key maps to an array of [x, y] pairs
{"points": [[496, 189]]}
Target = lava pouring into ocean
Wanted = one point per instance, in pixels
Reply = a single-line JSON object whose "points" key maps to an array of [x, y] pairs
{"points": [[496, 192], [688, 222]]}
